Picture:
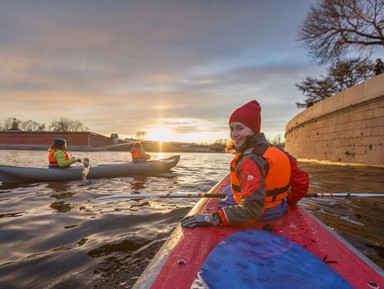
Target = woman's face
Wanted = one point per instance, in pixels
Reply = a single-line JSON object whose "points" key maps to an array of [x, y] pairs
{"points": [[239, 133]]}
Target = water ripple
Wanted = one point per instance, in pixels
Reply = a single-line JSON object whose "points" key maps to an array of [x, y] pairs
{"points": [[57, 235]]}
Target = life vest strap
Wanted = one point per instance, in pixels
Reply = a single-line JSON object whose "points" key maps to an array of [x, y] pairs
{"points": [[236, 188], [273, 193]]}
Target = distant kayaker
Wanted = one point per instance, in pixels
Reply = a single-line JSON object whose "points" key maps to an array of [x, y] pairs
{"points": [[264, 178], [58, 156], [138, 153]]}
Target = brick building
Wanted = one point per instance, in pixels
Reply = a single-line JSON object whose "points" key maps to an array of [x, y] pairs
{"points": [[43, 139]]}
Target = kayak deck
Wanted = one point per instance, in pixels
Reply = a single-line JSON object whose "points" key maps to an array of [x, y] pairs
{"points": [[177, 263]]}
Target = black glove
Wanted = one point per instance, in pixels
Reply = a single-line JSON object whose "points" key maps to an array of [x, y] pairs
{"points": [[201, 220], [79, 160]]}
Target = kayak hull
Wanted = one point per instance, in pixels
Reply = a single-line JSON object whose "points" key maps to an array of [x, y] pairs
{"points": [[178, 262], [14, 175]]}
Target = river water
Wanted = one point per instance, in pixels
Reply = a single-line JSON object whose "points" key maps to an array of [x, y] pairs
{"points": [[57, 235]]}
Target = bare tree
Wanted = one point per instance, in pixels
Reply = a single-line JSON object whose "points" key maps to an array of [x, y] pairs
{"points": [[77, 126], [220, 141], [277, 141], [140, 134], [315, 90], [12, 123], [65, 124], [334, 28], [340, 76], [30, 125]]}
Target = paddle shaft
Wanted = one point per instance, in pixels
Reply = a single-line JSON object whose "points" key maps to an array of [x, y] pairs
{"points": [[346, 195], [221, 196], [143, 196]]}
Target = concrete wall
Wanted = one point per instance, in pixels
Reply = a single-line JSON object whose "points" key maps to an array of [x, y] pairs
{"points": [[345, 128]]}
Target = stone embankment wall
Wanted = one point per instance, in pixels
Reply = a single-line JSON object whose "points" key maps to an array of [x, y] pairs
{"points": [[345, 128]]}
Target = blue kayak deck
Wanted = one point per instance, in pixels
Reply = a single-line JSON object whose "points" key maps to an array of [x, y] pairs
{"points": [[261, 259]]}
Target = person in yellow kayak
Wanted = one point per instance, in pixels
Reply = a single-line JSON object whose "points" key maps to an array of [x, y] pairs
{"points": [[138, 154], [263, 178], [58, 156]]}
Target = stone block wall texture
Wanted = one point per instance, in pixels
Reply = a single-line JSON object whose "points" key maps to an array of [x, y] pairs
{"points": [[345, 128]]}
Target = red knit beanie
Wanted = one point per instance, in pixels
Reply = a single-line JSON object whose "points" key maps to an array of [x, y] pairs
{"points": [[249, 115]]}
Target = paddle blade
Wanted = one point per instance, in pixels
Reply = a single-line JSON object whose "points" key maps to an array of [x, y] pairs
{"points": [[87, 166]]}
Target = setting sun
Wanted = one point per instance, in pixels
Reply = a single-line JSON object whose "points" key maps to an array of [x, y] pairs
{"points": [[159, 134]]}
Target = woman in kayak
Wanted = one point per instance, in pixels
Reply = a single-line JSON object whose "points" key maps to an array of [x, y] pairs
{"points": [[263, 177], [58, 156], [138, 153]]}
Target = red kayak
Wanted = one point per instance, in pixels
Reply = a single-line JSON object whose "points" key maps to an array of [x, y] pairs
{"points": [[193, 257]]}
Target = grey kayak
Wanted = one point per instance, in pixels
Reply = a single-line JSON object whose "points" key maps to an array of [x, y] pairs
{"points": [[15, 175]]}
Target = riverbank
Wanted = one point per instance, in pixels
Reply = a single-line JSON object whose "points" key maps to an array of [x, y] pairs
{"points": [[151, 146]]}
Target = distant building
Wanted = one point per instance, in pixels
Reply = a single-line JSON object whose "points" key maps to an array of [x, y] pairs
{"points": [[43, 139], [115, 138]]}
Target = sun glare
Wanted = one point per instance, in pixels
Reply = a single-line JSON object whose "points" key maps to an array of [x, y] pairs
{"points": [[159, 134]]}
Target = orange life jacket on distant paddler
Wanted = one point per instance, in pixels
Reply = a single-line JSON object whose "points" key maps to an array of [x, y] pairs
{"points": [[136, 154], [53, 161]]}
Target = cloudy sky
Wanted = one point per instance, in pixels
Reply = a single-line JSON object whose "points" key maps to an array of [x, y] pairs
{"points": [[175, 69]]}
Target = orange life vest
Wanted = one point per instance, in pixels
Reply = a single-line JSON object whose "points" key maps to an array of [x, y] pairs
{"points": [[53, 161], [276, 177], [136, 155]]}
